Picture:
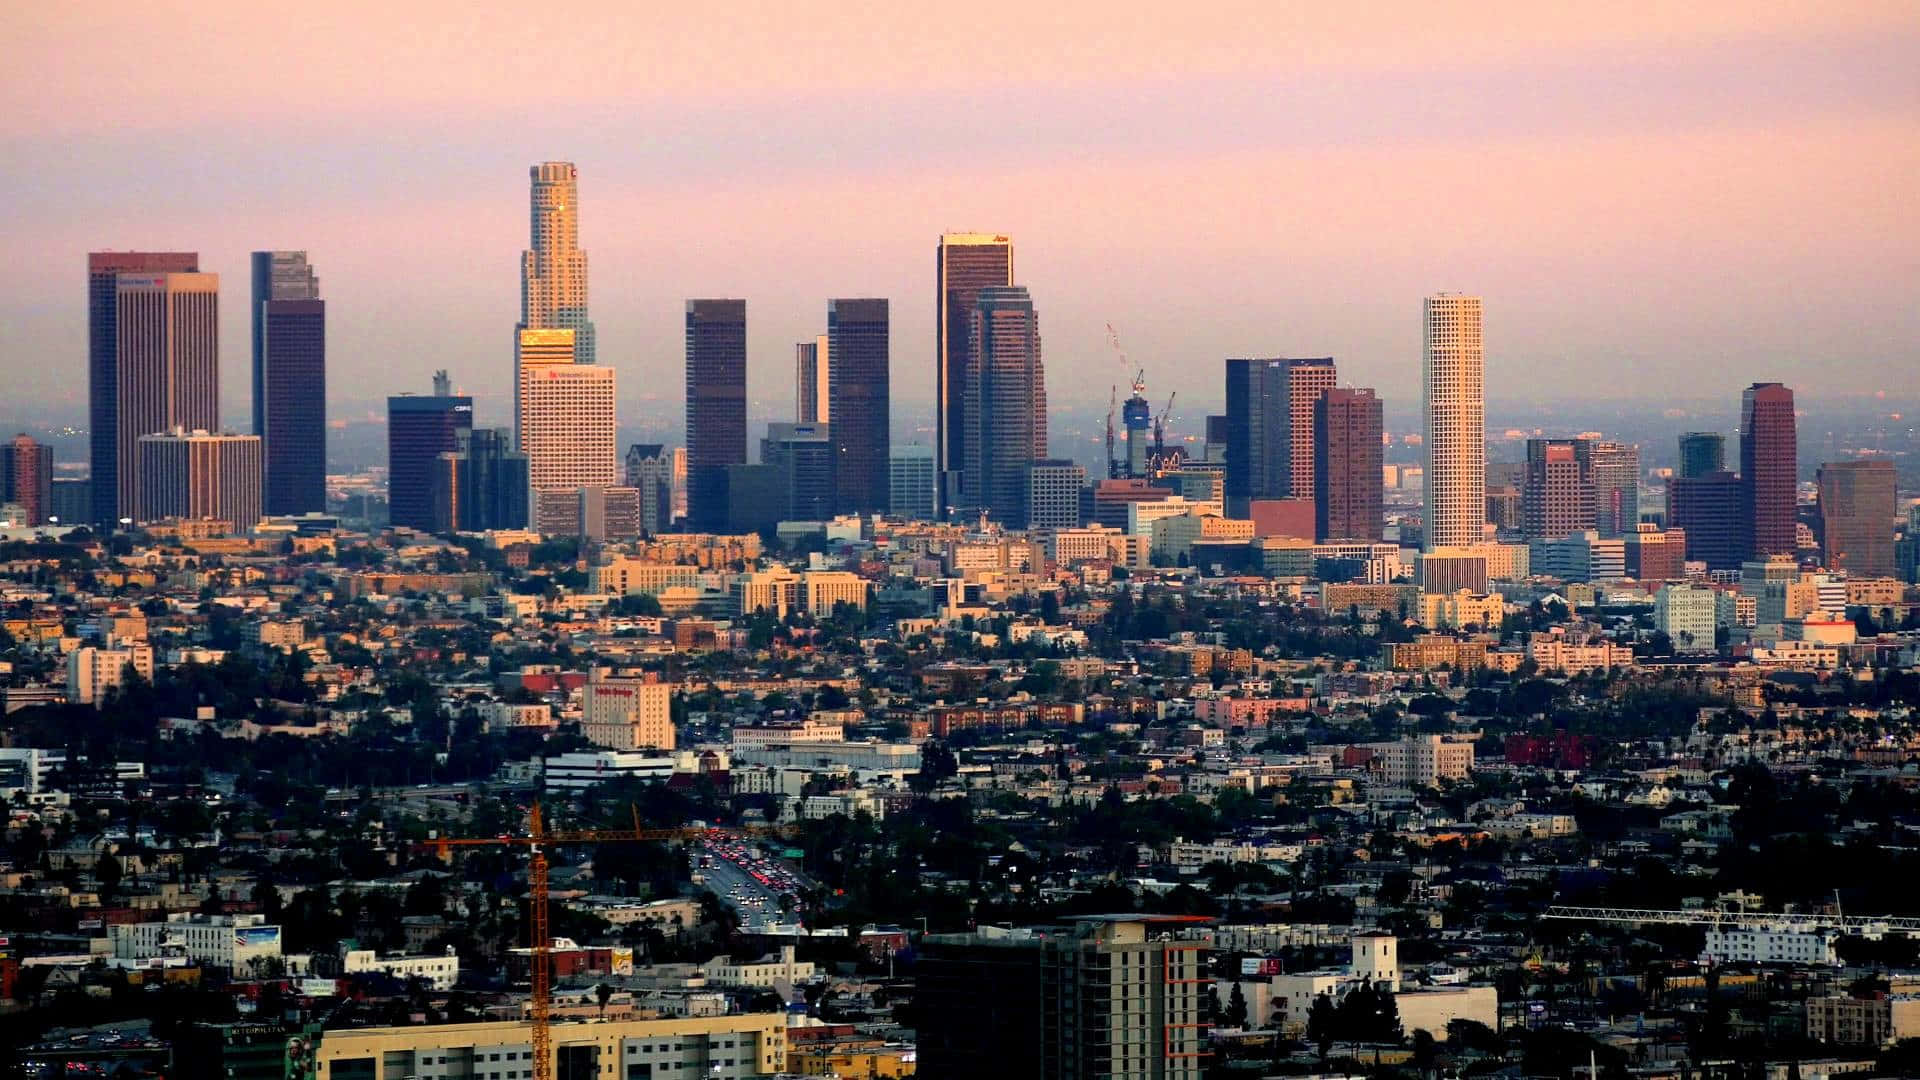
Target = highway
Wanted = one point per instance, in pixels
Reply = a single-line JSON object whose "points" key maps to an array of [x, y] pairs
{"points": [[730, 868]]}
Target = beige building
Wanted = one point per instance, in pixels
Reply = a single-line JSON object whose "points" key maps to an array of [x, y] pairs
{"points": [[1851, 1021], [706, 1048], [627, 714], [92, 673], [1175, 536], [823, 589], [1462, 608], [637, 577], [1422, 761], [1556, 652], [775, 591], [565, 412], [1456, 422]]}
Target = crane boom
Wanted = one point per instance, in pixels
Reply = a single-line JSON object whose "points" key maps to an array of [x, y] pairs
{"points": [[1851, 925]]}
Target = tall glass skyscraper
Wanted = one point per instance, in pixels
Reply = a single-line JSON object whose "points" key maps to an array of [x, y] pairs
{"points": [[964, 263], [110, 448], [1006, 403], [1769, 470], [553, 271], [716, 406], [1456, 422], [858, 417], [290, 381]]}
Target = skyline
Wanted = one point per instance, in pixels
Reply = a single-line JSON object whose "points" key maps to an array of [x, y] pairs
{"points": [[1214, 210]]}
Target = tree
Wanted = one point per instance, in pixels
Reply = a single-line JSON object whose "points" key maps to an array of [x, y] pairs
{"points": [[1426, 1051], [937, 763], [603, 993], [1322, 1024], [1236, 1015]]}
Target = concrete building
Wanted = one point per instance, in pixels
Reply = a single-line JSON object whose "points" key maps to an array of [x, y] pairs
{"points": [[1584, 556], [624, 576], [1460, 609], [140, 378], [1769, 470], [580, 770], [26, 480], [241, 944], [199, 475], [1423, 761], [553, 269], [649, 471], [1557, 498], [812, 367], [1111, 997], [1005, 402], [859, 417], [420, 430], [693, 1048], [1613, 473], [1347, 490], [1174, 537], [438, 972], [1053, 493], [823, 590], [1455, 441], [912, 483], [565, 411], [1877, 1021], [92, 673], [627, 714], [1784, 943], [1656, 554], [1687, 615], [1856, 516]]}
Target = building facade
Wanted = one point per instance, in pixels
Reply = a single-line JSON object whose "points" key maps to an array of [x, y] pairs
{"points": [[566, 429], [198, 475], [1347, 489], [1053, 493], [1557, 496], [167, 366], [649, 471], [709, 1048], [553, 269], [913, 477], [290, 381], [803, 455], [419, 430], [716, 406], [812, 368], [964, 263], [1769, 470], [1005, 403], [858, 402], [1702, 452], [109, 454], [26, 479], [1614, 475], [1707, 508], [1856, 516], [1456, 422]]}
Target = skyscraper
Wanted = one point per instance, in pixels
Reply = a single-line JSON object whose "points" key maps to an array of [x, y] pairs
{"points": [[482, 485], [858, 418], [26, 478], [553, 270], [1707, 508], [1557, 499], [1053, 493], [802, 456], [112, 434], [1006, 403], [1702, 452], [1615, 473], [911, 480], [964, 263], [419, 430], [1270, 411], [716, 405], [1456, 422], [650, 472], [199, 475], [290, 381], [566, 428], [1347, 494], [1856, 516], [812, 367], [1769, 469]]}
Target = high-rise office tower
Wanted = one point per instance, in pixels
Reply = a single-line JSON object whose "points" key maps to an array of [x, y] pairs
{"points": [[964, 263], [1702, 452], [419, 430], [1347, 493], [858, 418], [553, 269], [1707, 509], [153, 361], [482, 485], [104, 451], [1615, 473], [26, 478], [1112, 997], [650, 472], [1270, 410], [566, 428], [1006, 403], [911, 483], [290, 381], [812, 368], [1557, 498], [1769, 469], [198, 475], [1456, 422], [802, 455], [716, 406], [1856, 516]]}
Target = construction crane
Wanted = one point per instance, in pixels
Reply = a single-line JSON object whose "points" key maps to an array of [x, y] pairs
{"points": [[1160, 433], [537, 841], [1113, 402], [1850, 925]]}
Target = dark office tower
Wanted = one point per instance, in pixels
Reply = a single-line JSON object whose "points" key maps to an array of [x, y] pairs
{"points": [[812, 363], [1702, 452], [481, 485], [1113, 996], [1769, 470], [109, 454], [1253, 409], [419, 430], [716, 406], [1707, 508], [290, 381], [858, 420], [964, 263], [26, 478], [1856, 517], [802, 455], [1557, 500], [1006, 404], [1347, 495], [650, 472], [1615, 472]]}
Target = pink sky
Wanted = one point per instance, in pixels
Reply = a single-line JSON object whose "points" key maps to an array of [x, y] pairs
{"points": [[1652, 198]]}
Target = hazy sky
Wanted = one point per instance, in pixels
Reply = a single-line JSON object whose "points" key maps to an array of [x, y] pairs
{"points": [[1653, 199]]}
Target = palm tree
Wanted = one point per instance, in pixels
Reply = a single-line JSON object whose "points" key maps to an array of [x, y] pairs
{"points": [[603, 994]]}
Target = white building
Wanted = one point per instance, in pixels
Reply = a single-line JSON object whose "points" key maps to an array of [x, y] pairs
{"points": [[504, 716], [27, 769], [1781, 943], [1142, 515], [770, 970], [822, 590], [437, 972], [1455, 439], [92, 672], [242, 944], [1687, 615], [1420, 761], [581, 770]]}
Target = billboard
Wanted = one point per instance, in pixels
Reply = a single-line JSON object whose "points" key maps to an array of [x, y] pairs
{"points": [[622, 962], [256, 937], [1260, 965]]}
